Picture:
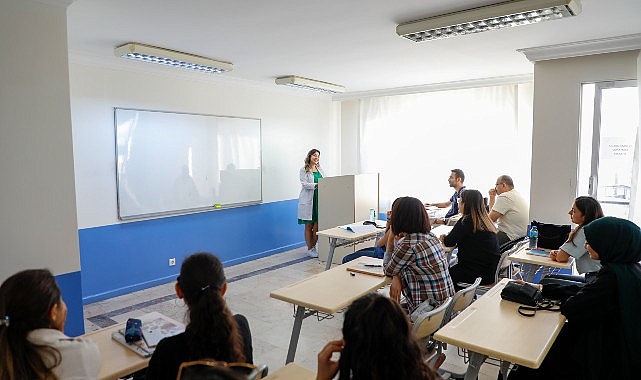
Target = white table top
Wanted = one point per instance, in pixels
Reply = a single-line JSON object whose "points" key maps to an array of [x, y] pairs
{"points": [[333, 289], [522, 256], [343, 234], [492, 326], [116, 360], [291, 371]]}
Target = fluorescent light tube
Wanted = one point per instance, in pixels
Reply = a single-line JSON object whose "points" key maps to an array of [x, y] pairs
{"points": [[489, 17], [310, 84], [172, 58]]}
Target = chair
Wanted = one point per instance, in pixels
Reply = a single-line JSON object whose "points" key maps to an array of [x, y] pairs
{"points": [[429, 322], [504, 269], [207, 369], [460, 301]]}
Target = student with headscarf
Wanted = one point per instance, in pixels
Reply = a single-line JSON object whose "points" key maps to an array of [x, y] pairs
{"points": [[602, 336]]}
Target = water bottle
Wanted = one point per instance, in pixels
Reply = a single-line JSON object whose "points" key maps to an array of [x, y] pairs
{"points": [[372, 215], [534, 237]]}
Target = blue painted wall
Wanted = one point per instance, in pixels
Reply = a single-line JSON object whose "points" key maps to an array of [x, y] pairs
{"points": [[121, 258], [69, 285]]}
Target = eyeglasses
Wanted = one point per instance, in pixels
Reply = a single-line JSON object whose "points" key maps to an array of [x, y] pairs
{"points": [[498, 184], [199, 368]]}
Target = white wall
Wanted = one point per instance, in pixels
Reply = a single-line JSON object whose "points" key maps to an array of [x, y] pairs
{"points": [[38, 225], [557, 91], [292, 121]]}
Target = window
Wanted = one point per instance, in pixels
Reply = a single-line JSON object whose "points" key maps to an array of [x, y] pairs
{"points": [[609, 123]]}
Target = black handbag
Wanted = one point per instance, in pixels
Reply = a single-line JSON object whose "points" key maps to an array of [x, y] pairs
{"points": [[551, 236], [530, 298], [524, 294]]}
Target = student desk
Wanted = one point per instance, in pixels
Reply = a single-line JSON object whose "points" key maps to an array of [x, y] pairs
{"points": [[492, 327], [116, 360], [339, 237], [537, 262], [328, 292], [292, 371]]}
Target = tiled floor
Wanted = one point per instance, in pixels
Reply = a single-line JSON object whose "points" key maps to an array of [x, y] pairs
{"points": [[249, 285]]}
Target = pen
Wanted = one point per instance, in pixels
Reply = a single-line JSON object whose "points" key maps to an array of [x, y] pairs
{"points": [[373, 265]]}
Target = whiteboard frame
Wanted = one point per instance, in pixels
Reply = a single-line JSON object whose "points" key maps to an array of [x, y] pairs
{"points": [[159, 214]]}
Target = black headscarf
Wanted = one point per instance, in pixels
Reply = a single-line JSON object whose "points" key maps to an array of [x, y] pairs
{"points": [[618, 243]]}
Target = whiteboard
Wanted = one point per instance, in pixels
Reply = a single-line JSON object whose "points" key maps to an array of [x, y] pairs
{"points": [[168, 163]]}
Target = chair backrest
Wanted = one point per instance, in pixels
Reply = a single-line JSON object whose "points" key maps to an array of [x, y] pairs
{"points": [[427, 323], [505, 265], [208, 369], [461, 299]]}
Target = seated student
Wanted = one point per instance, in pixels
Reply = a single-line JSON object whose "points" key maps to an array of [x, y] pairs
{"points": [[509, 209], [583, 211], [602, 336], [32, 344], [212, 331], [418, 262], [478, 245], [377, 344], [378, 250], [455, 181]]}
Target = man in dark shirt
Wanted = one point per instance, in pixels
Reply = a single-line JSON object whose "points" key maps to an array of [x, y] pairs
{"points": [[456, 181]]}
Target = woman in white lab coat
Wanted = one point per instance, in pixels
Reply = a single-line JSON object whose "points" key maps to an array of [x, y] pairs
{"points": [[308, 199]]}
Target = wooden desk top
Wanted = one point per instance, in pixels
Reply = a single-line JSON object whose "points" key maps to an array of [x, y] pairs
{"points": [[343, 234], [292, 371], [333, 289], [493, 327], [116, 360], [522, 256]]}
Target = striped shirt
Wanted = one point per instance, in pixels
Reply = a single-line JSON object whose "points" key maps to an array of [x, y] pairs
{"points": [[422, 264]]}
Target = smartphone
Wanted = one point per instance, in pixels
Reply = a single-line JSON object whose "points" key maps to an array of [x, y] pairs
{"points": [[133, 330]]}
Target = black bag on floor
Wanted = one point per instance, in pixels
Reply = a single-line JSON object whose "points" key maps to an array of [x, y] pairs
{"points": [[551, 236]]}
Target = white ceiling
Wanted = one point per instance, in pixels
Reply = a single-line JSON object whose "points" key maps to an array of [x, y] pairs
{"points": [[348, 42]]}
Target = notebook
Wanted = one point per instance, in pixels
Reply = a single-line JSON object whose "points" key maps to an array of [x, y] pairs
{"points": [[537, 252], [366, 268], [155, 327]]}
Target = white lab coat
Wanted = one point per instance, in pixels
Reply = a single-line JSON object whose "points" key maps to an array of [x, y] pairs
{"points": [[306, 196]]}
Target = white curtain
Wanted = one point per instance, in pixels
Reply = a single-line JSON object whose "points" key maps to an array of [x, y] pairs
{"points": [[635, 199], [414, 140]]}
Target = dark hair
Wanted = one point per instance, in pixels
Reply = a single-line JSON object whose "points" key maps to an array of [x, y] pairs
{"points": [[379, 343], [458, 173], [212, 330], [474, 208], [591, 210], [26, 298], [506, 179], [409, 216], [308, 159]]}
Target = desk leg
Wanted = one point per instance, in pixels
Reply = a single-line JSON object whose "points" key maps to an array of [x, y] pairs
{"points": [[293, 341], [473, 367], [504, 368], [330, 255], [529, 271]]}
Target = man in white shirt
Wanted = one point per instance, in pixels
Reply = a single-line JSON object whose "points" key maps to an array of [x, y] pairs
{"points": [[509, 210]]}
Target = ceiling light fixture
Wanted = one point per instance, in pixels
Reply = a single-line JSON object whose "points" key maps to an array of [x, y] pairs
{"points": [[172, 58], [489, 17], [309, 84]]}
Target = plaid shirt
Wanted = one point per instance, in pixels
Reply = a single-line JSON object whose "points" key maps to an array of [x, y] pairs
{"points": [[422, 264]]}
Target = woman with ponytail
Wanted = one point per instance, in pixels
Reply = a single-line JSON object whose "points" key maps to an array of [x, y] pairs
{"points": [[212, 331]]}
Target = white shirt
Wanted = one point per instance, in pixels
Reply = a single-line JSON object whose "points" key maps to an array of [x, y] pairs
{"points": [[80, 357], [515, 212], [582, 259]]}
